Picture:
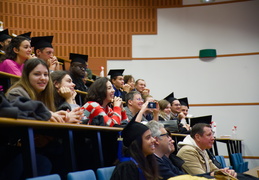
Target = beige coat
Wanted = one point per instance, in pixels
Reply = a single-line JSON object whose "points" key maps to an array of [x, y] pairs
{"points": [[194, 158]]}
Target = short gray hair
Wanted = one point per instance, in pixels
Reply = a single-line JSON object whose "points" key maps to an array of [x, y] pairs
{"points": [[130, 96], [155, 127]]}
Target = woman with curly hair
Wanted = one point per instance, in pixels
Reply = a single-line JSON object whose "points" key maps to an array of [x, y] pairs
{"points": [[101, 102], [17, 52]]}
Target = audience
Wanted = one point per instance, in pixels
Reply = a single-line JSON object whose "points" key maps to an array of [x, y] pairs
{"points": [[77, 72], [163, 146], [164, 110], [193, 151], [135, 104], [178, 162], [140, 146], [43, 49], [99, 98], [184, 110], [117, 81], [64, 93], [176, 113], [147, 146], [129, 79], [35, 84], [140, 86], [5, 40], [152, 112], [18, 51]]}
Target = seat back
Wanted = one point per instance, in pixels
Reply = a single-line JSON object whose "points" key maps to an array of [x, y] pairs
{"points": [[222, 161], [238, 163], [80, 175], [47, 177], [241, 160], [105, 173]]}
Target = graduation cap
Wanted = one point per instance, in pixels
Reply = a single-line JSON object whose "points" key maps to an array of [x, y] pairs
{"points": [[78, 58], [115, 72], [41, 42], [27, 35], [132, 131], [184, 101], [202, 119], [170, 98], [4, 35]]}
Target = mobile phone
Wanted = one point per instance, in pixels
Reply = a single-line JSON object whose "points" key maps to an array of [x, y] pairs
{"points": [[151, 105]]}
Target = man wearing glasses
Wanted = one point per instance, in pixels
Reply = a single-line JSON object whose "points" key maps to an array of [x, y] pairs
{"points": [[163, 146], [77, 69]]}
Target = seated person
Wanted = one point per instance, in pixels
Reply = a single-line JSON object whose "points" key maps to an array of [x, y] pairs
{"points": [[163, 146], [64, 93], [117, 81], [193, 151], [151, 113], [184, 111], [43, 49], [178, 162], [140, 146], [99, 98], [176, 113], [129, 79], [135, 104], [18, 51], [36, 85], [77, 72], [140, 86], [5, 40], [164, 110]]}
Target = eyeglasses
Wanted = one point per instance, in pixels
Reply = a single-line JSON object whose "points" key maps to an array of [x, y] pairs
{"points": [[139, 99], [82, 67], [165, 134]]}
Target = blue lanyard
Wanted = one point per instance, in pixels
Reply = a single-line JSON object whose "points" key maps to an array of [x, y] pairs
{"points": [[141, 175]]}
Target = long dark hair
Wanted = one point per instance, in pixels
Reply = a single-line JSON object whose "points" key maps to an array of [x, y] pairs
{"points": [[148, 164], [15, 43], [57, 77], [98, 90]]}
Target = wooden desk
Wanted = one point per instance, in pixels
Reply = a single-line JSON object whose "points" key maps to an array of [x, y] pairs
{"points": [[26, 129], [253, 172]]}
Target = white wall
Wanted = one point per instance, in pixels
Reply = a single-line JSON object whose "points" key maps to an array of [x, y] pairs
{"points": [[230, 29]]}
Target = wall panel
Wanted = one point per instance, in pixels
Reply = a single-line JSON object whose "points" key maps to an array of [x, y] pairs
{"points": [[99, 28]]}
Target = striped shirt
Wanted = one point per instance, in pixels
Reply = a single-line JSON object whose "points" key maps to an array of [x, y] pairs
{"points": [[110, 116]]}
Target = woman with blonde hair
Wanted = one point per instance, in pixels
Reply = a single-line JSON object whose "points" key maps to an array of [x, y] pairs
{"points": [[165, 110]]}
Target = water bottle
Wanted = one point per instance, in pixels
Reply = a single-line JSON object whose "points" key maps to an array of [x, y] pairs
{"points": [[102, 72], [214, 128], [234, 132], [1, 26]]}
